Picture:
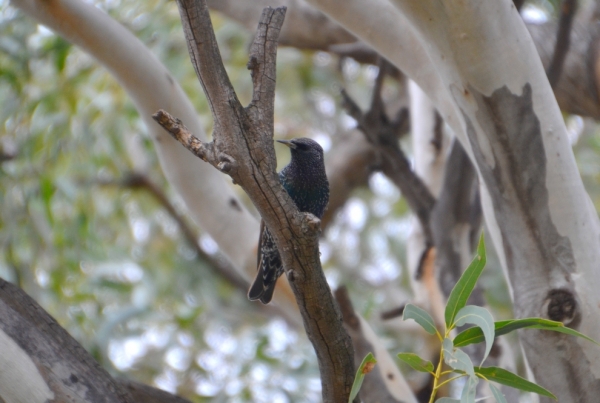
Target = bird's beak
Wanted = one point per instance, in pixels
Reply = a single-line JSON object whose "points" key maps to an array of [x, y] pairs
{"points": [[288, 143]]}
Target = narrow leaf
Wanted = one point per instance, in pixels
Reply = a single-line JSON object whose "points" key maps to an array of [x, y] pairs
{"points": [[475, 335], [457, 359], [507, 378], [481, 317], [365, 367], [469, 390], [465, 285], [497, 394], [420, 316], [566, 330], [416, 362]]}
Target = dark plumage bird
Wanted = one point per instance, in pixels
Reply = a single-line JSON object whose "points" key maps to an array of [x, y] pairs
{"points": [[305, 181]]}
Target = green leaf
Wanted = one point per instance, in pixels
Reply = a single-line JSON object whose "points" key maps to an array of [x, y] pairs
{"points": [[497, 394], [420, 316], [416, 362], [47, 190], [366, 366], [469, 390], [507, 378], [457, 359], [475, 335], [565, 330], [465, 285], [481, 317]]}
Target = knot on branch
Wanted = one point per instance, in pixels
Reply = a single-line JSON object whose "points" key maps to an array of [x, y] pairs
{"points": [[562, 307], [310, 224], [226, 163]]}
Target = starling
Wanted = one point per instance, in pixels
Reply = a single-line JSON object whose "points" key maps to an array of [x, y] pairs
{"points": [[305, 181]]}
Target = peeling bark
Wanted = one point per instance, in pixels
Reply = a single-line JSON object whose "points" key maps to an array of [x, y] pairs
{"points": [[514, 168]]}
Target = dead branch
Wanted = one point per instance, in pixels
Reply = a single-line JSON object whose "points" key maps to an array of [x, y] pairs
{"points": [[383, 134]]}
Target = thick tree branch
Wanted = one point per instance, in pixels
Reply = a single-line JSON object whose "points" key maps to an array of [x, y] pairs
{"points": [[212, 202], [46, 363], [243, 148], [577, 93]]}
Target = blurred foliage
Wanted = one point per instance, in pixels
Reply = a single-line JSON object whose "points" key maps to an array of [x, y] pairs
{"points": [[110, 264]]}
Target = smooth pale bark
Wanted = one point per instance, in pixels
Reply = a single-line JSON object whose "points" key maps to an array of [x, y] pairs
{"points": [[151, 87], [577, 89], [483, 73], [429, 166]]}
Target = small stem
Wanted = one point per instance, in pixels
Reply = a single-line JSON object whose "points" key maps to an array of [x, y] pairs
{"points": [[450, 380], [438, 374]]}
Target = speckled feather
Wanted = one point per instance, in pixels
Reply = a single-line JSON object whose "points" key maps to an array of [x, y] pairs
{"points": [[305, 181]]}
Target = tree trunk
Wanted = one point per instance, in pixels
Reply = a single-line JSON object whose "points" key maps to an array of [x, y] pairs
{"points": [[496, 97]]}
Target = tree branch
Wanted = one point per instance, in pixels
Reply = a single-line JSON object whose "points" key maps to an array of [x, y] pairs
{"points": [[217, 264], [243, 148], [40, 361], [568, 9], [385, 383], [143, 393], [383, 134]]}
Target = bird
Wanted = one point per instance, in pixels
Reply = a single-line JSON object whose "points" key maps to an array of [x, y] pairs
{"points": [[305, 180]]}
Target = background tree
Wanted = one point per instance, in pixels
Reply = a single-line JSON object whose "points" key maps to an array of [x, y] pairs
{"points": [[76, 154]]}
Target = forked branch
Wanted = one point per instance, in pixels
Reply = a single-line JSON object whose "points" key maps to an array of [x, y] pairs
{"points": [[243, 149]]}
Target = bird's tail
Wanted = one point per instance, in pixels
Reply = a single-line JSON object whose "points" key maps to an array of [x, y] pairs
{"points": [[260, 291]]}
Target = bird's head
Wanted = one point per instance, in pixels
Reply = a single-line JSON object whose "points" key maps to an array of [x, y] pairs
{"points": [[305, 148]]}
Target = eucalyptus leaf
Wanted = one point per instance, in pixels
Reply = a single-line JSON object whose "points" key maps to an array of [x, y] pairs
{"points": [[469, 390], [457, 359], [416, 362], [365, 367], [497, 394], [465, 285], [475, 335], [420, 316], [481, 317], [507, 378], [566, 330]]}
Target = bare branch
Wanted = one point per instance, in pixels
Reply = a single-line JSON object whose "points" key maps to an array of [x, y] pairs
{"points": [[262, 66], [217, 264], [383, 134], [375, 388], [568, 9], [243, 148]]}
